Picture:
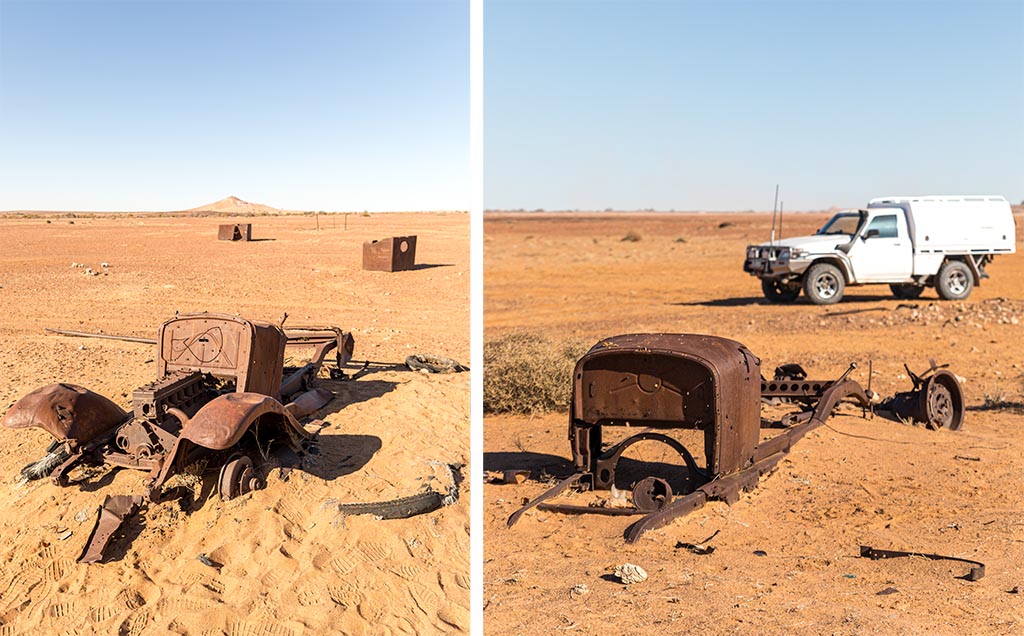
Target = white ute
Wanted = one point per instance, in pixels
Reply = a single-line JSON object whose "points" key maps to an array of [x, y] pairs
{"points": [[909, 243]]}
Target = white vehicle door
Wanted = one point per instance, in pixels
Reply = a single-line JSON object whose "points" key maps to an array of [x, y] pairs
{"points": [[882, 253]]}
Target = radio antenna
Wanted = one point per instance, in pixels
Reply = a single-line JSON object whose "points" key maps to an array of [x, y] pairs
{"points": [[774, 208], [782, 204]]}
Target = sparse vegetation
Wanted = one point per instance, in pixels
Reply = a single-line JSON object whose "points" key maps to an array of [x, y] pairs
{"points": [[528, 373], [632, 236]]}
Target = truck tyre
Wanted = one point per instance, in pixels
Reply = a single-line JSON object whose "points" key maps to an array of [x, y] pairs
{"points": [[824, 284], [906, 291], [777, 291], [954, 281]]}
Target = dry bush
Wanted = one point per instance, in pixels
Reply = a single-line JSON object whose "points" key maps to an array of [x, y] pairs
{"points": [[528, 373], [632, 236]]}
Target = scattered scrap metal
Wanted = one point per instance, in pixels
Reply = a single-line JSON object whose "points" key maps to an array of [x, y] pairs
{"points": [[976, 572], [682, 381], [222, 393], [392, 254]]}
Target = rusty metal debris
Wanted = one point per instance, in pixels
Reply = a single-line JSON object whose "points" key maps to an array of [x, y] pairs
{"points": [[390, 255], [937, 399], [434, 364], [976, 572], [222, 390], [680, 381], [112, 514], [234, 232]]}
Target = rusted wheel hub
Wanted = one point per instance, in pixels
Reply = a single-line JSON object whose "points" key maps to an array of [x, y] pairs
{"points": [[940, 406], [237, 478], [651, 493]]}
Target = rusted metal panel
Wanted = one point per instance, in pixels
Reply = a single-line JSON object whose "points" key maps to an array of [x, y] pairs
{"points": [[65, 411], [390, 255], [114, 512], [250, 353], [234, 232]]}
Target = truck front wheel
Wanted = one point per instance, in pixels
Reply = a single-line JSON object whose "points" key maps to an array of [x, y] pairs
{"points": [[954, 281], [824, 284], [778, 291]]}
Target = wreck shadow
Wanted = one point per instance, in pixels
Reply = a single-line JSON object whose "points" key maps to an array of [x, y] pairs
{"points": [[121, 541], [419, 266], [352, 391], [332, 456], [524, 460], [1016, 408]]}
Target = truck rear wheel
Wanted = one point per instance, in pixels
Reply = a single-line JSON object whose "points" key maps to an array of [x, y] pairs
{"points": [[906, 291], [778, 291], [954, 281], [824, 284]]}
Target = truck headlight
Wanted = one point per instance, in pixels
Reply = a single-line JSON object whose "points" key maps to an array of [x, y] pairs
{"points": [[752, 251], [795, 252]]}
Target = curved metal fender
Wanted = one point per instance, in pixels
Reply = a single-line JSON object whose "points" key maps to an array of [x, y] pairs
{"points": [[65, 411], [221, 423]]}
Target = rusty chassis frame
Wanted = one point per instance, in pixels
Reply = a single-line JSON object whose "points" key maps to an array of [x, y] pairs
{"points": [[666, 381]]}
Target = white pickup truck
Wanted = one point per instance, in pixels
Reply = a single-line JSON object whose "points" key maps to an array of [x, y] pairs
{"points": [[908, 243]]}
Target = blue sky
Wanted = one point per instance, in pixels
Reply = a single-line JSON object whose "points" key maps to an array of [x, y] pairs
{"points": [[150, 105], [707, 105]]}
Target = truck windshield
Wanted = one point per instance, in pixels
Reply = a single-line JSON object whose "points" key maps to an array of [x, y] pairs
{"points": [[846, 223]]}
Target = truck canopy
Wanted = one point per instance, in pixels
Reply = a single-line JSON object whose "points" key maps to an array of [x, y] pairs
{"points": [[979, 224]]}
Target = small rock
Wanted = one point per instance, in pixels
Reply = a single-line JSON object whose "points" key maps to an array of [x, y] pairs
{"points": [[888, 590], [83, 515], [104, 264], [64, 535], [630, 574], [580, 589]]}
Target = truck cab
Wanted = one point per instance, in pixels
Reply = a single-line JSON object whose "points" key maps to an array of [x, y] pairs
{"points": [[909, 243]]}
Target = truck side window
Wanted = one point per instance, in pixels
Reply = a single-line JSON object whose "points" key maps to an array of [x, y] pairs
{"points": [[886, 226]]}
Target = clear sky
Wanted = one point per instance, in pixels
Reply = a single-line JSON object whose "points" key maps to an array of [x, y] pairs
{"points": [[707, 105], [151, 105]]}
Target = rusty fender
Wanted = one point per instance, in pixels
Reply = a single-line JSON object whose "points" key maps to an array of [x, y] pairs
{"points": [[222, 422], [67, 412], [218, 426]]}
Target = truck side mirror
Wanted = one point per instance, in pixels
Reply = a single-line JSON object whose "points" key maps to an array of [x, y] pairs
{"points": [[872, 234]]}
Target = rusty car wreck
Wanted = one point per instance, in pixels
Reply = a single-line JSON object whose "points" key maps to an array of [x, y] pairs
{"points": [[222, 392], [711, 384]]}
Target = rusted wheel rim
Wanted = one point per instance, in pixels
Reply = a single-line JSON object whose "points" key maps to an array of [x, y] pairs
{"points": [[237, 478], [651, 493], [940, 407]]}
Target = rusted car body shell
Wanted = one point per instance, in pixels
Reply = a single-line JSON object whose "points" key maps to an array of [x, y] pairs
{"points": [[65, 411], [250, 352], [221, 423], [669, 381]]}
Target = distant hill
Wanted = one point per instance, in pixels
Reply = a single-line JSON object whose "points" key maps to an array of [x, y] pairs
{"points": [[234, 205]]}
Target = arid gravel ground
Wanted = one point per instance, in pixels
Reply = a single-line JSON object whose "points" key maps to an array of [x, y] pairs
{"points": [[856, 482], [291, 565]]}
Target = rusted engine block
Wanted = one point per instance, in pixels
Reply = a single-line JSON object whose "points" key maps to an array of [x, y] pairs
{"points": [[659, 382]]}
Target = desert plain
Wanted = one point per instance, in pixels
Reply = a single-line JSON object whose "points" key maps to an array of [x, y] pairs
{"points": [[784, 559], [289, 564]]}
